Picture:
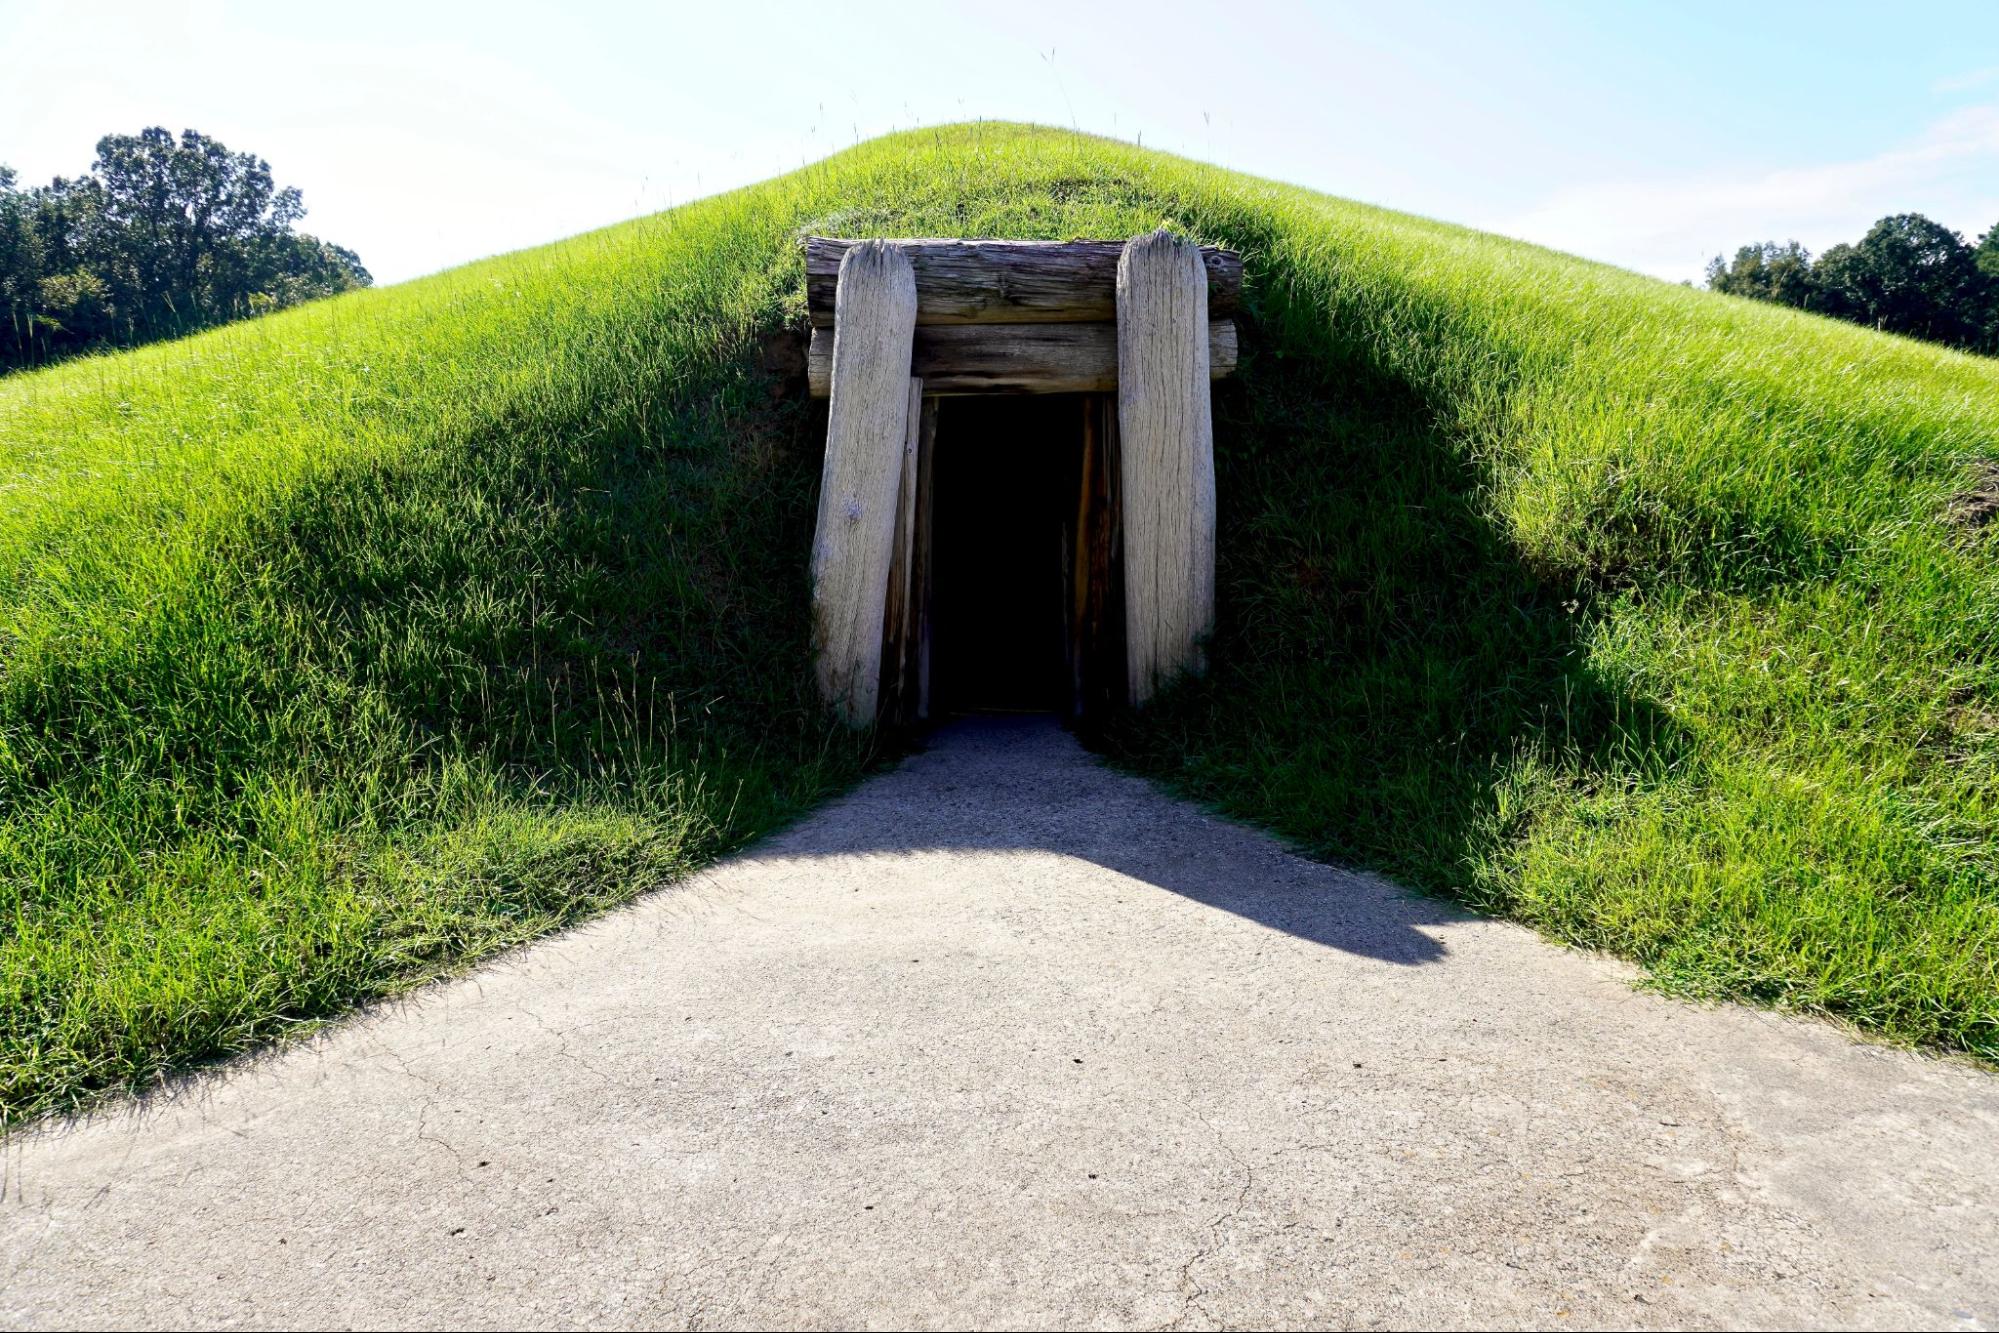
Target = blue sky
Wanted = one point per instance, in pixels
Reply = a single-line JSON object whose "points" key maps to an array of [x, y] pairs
{"points": [[426, 134]]}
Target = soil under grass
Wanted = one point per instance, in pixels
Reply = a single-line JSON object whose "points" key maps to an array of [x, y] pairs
{"points": [[345, 646]]}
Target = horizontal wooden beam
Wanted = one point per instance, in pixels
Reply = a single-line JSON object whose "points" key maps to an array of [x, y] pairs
{"points": [[1016, 358], [1012, 282]]}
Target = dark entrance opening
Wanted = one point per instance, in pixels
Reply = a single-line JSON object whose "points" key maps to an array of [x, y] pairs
{"points": [[1021, 555], [1006, 471]]}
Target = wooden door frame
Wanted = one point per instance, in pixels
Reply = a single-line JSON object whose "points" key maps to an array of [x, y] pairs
{"points": [[1093, 631], [1141, 328]]}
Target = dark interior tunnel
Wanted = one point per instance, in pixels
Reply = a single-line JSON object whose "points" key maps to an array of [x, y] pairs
{"points": [[1004, 498]]}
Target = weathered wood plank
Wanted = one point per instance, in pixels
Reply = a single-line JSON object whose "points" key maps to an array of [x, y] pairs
{"points": [[923, 576], [1011, 282], [1016, 358], [924, 558], [898, 693], [1096, 635], [867, 426], [1167, 452]]}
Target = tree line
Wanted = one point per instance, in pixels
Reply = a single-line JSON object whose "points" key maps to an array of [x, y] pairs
{"points": [[1907, 275], [162, 236]]}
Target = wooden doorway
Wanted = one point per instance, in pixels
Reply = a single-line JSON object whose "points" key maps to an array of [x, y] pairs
{"points": [[1054, 554], [1016, 596]]}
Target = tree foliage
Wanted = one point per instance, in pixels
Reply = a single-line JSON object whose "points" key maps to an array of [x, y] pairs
{"points": [[161, 237], [1768, 272], [1907, 275]]}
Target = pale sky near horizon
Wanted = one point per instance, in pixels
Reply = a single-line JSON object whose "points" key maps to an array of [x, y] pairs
{"points": [[427, 134]]}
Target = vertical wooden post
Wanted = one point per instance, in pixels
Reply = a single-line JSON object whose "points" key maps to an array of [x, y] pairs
{"points": [[1167, 459], [1096, 636], [867, 425], [898, 685], [923, 591]]}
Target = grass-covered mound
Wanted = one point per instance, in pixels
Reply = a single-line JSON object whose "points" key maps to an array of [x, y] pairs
{"points": [[342, 646]]}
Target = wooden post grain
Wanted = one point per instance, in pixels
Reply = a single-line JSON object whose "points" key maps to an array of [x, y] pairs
{"points": [[923, 583], [1096, 635], [1010, 282], [867, 426], [1167, 459], [898, 694]]}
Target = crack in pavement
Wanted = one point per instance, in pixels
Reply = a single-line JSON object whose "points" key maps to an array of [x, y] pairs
{"points": [[1192, 1291]]}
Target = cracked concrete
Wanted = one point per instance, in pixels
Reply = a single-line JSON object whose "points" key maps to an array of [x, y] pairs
{"points": [[1007, 1039]]}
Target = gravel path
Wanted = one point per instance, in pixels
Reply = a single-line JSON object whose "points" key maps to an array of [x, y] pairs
{"points": [[1008, 1039]]}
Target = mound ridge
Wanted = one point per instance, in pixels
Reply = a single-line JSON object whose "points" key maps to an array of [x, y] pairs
{"points": [[349, 645]]}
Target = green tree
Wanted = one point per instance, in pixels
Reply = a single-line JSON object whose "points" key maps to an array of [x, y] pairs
{"points": [[1908, 275], [20, 265], [1987, 253], [192, 233], [1767, 272], [161, 236]]}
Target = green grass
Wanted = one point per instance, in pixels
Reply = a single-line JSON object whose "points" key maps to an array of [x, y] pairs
{"points": [[345, 646]]}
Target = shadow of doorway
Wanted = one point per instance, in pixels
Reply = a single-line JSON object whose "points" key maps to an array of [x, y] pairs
{"points": [[1019, 789]]}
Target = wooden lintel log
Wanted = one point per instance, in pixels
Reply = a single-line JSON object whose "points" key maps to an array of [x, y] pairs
{"points": [[867, 430], [1166, 451], [1017, 358], [1011, 282]]}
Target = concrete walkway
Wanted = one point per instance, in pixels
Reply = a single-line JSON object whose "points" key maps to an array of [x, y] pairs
{"points": [[1007, 1039]]}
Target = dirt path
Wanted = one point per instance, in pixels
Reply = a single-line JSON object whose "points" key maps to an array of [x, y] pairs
{"points": [[1008, 1039]]}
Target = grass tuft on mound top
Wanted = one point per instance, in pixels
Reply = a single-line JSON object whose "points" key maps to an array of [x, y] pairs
{"points": [[345, 646]]}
